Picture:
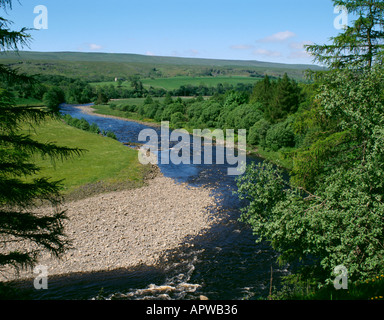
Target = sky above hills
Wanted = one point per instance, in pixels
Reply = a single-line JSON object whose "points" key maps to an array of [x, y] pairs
{"points": [[265, 30]]}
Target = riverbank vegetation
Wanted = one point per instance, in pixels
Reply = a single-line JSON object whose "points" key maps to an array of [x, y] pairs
{"points": [[330, 211]]}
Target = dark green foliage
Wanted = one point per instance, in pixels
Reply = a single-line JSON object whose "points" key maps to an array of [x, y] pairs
{"points": [[263, 92], [53, 98], [258, 133], [101, 98], [109, 134], [79, 92], [137, 86], [20, 219], [178, 120], [284, 101], [84, 125], [280, 136], [278, 99], [331, 209], [171, 109]]}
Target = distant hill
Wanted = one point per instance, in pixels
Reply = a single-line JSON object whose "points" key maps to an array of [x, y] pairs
{"points": [[105, 66]]}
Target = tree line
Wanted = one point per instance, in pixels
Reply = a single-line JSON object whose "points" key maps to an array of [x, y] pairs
{"points": [[53, 90], [266, 112]]}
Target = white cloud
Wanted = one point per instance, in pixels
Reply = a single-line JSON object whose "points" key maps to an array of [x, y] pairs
{"points": [[95, 47], [278, 37], [149, 53], [268, 53]]}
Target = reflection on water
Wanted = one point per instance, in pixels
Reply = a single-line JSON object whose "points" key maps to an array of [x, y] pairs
{"points": [[224, 263]]}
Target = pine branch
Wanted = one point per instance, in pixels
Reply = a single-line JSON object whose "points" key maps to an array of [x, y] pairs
{"points": [[45, 230], [14, 192], [30, 146]]}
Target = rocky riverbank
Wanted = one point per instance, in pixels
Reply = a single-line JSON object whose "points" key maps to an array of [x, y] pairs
{"points": [[127, 228]]}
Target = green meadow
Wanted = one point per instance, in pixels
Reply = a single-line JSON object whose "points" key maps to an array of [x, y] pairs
{"points": [[174, 83], [93, 171]]}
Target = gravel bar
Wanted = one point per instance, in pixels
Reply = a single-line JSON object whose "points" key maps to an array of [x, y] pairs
{"points": [[127, 228]]}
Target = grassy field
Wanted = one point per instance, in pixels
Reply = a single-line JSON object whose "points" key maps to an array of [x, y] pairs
{"points": [[175, 82], [93, 171]]}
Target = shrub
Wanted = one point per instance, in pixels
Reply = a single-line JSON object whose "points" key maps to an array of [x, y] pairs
{"points": [[280, 136]]}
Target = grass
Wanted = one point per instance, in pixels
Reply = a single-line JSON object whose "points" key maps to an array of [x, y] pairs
{"points": [[174, 83], [106, 165]]}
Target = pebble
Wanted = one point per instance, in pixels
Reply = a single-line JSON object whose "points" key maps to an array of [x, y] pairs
{"points": [[125, 228]]}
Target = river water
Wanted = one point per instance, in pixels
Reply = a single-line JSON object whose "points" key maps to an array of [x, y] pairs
{"points": [[223, 264]]}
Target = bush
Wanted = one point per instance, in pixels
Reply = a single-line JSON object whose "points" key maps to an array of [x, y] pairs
{"points": [[280, 136], [258, 132], [110, 134], [53, 98], [81, 124], [177, 120]]}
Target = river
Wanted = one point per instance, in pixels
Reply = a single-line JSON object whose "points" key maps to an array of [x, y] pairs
{"points": [[223, 264]]}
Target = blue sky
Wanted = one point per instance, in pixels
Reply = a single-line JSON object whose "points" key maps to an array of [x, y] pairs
{"points": [[265, 30]]}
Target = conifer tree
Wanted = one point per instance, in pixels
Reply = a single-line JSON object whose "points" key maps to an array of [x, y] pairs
{"points": [[21, 220], [361, 44]]}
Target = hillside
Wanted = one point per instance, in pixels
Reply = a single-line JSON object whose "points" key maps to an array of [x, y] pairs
{"points": [[107, 66]]}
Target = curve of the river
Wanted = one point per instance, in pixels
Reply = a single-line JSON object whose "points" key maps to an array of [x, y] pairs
{"points": [[223, 264]]}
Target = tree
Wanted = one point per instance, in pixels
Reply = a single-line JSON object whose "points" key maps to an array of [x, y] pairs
{"points": [[137, 85], [330, 210], [339, 220], [53, 98], [258, 133], [280, 136], [21, 220], [360, 45], [262, 92], [284, 101], [101, 98]]}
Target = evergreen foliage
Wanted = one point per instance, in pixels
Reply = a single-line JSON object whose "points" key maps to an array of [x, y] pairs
{"points": [[361, 44], [21, 221], [330, 210]]}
